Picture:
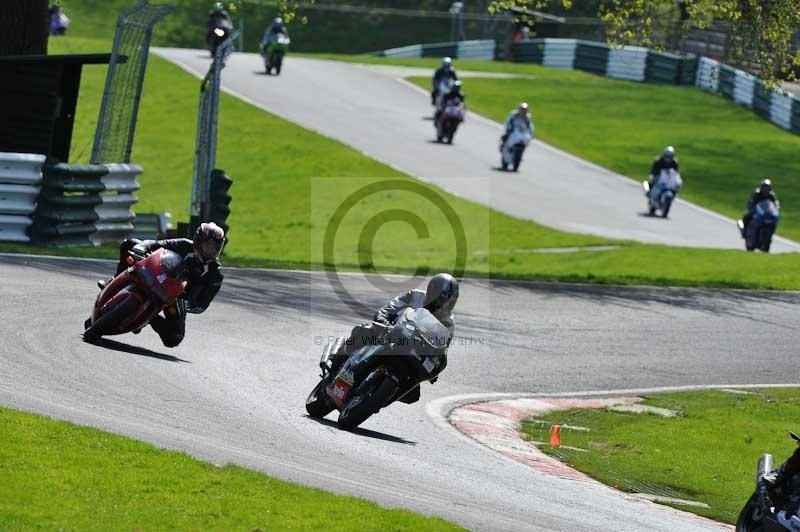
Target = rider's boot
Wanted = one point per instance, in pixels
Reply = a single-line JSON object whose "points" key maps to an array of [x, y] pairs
{"points": [[102, 284]]}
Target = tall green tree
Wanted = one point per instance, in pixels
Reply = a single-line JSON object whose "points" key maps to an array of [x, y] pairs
{"points": [[760, 31], [24, 27]]}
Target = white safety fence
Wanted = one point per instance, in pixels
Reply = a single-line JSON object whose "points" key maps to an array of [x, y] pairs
{"points": [[629, 62], [20, 180], [483, 49], [414, 50]]}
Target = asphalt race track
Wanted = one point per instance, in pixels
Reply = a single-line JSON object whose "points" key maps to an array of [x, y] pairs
{"points": [[371, 109], [234, 390]]}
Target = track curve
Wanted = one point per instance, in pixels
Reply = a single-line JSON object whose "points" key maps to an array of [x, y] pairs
{"points": [[371, 109], [234, 390]]}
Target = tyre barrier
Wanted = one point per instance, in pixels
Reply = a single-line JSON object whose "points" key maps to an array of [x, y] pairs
{"points": [[85, 204], [20, 178], [479, 49], [629, 63], [151, 226]]}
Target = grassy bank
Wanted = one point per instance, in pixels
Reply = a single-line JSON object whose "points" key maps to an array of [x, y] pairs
{"points": [[284, 200], [706, 454], [59, 476]]}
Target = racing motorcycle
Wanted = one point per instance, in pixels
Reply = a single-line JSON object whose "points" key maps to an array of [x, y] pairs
{"points": [[512, 149], [771, 512], [134, 297], [663, 193], [409, 352], [217, 35], [273, 53], [758, 233], [451, 116]]}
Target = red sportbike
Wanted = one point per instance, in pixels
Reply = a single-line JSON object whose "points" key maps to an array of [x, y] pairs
{"points": [[134, 297]]}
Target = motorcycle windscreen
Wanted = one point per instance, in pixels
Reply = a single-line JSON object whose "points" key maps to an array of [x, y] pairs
{"points": [[429, 329], [767, 212], [670, 179]]}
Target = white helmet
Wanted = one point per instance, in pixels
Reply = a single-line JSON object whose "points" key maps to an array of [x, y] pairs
{"points": [[447, 62], [669, 153]]}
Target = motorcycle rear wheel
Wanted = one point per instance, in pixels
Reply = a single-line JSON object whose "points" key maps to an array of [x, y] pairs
{"points": [[113, 316], [318, 404], [368, 399]]}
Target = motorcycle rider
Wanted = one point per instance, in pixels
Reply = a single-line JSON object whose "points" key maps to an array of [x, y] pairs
{"points": [[218, 17], [772, 483], [666, 161], [439, 299], [518, 117], [762, 192], [276, 28], [454, 95], [203, 273], [443, 73]]}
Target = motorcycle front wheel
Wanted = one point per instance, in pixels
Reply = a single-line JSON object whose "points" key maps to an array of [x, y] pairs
{"points": [[371, 395], [105, 323], [318, 404], [765, 239], [750, 518], [518, 157]]}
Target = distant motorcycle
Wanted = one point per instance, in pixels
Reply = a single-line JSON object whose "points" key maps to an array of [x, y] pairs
{"points": [[450, 118], [758, 233], [134, 297], [663, 193], [409, 352], [274, 52], [512, 149], [59, 22], [217, 35], [771, 513]]}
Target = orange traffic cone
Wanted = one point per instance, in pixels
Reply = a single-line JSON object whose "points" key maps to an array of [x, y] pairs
{"points": [[555, 436]]}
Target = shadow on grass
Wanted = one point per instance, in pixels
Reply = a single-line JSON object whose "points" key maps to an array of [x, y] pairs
{"points": [[365, 432], [139, 351]]}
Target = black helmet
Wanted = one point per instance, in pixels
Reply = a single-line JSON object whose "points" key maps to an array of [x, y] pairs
{"points": [[208, 240], [441, 295]]}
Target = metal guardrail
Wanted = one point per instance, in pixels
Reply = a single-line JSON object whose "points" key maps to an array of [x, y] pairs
{"points": [[479, 49], [20, 177]]}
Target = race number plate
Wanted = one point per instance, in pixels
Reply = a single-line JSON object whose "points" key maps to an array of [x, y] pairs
{"points": [[428, 364], [340, 391]]}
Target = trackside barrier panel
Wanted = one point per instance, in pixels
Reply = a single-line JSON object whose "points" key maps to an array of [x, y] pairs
{"points": [[726, 79], [151, 226], [528, 51], [591, 57], [415, 50], [707, 75], [20, 178], [483, 49], [743, 88], [560, 53], [628, 63], [780, 110], [85, 204]]}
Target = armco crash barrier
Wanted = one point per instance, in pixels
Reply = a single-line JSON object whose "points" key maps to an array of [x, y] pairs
{"points": [[479, 49], [85, 204], [20, 176]]}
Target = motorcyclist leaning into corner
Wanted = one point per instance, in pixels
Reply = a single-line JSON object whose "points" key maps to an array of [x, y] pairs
{"points": [[518, 117], [276, 28], [455, 95], [218, 17], [203, 274], [762, 192], [666, 161], [443, 73], [772, 484], [439, 299]]}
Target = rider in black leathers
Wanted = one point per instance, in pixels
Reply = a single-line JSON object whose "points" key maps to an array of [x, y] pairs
{"points": [[218, 17], [203, 274], [439, 298], [667, 161], [763, 192], [445, 72]]}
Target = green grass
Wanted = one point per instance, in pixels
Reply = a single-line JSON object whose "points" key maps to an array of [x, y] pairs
{"points": [[724, 148], [288, 181], [58, 476], [707, 455]]}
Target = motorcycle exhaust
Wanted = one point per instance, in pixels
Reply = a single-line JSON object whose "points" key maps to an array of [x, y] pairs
{"points": [[765, 465]]}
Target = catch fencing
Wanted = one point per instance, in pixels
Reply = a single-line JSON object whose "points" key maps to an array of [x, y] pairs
{"points": [[20, 178], [206, 140], [116, 123]]}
